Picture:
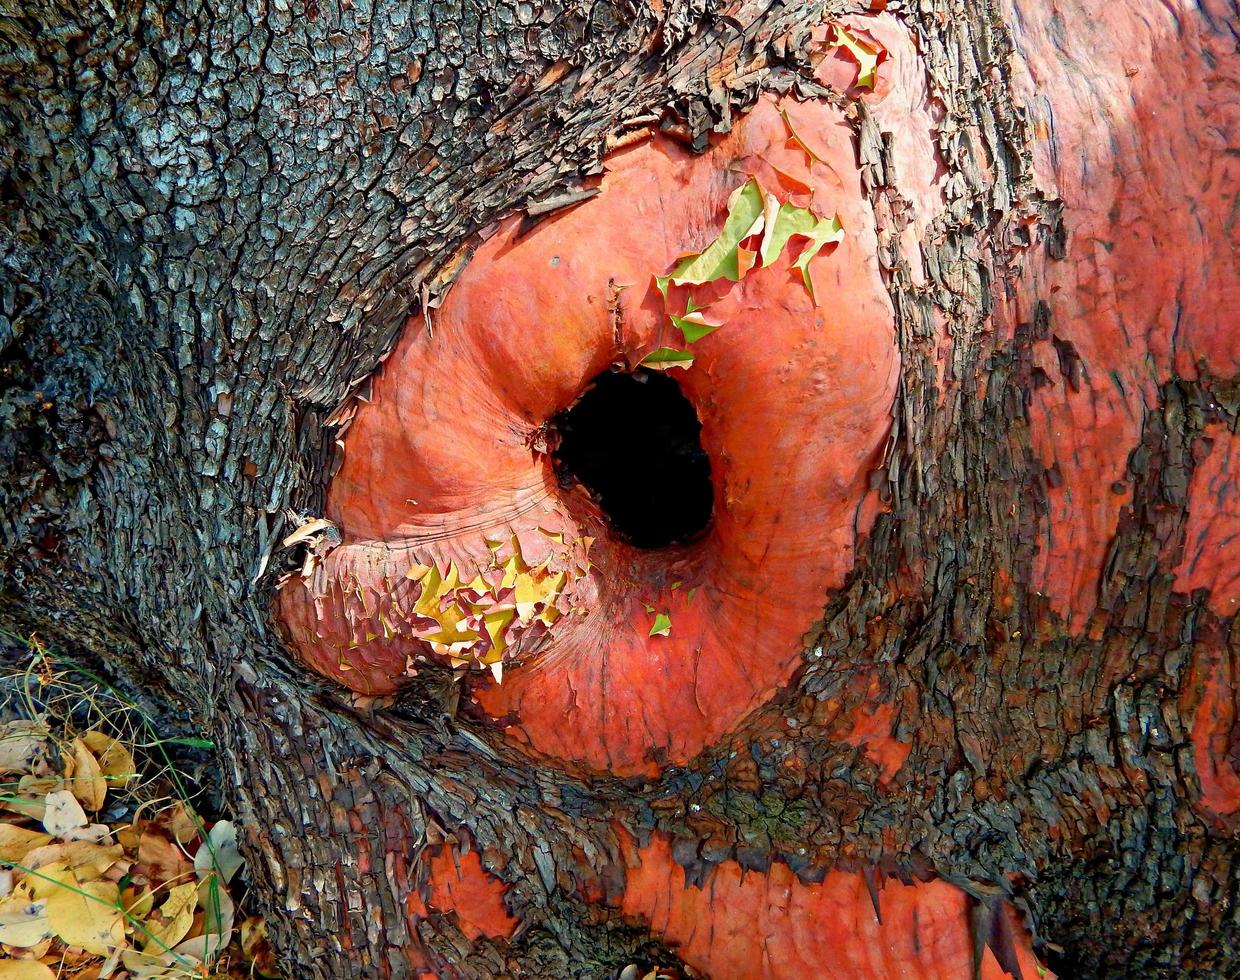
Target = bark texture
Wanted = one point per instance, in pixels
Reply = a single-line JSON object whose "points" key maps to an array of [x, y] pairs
{"points": [[216, 222]]}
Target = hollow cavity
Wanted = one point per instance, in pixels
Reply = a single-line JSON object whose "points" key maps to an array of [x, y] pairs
{"points": [[634, 442]]}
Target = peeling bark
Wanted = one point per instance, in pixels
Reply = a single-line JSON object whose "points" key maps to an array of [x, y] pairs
{"points": [[216, 224]]}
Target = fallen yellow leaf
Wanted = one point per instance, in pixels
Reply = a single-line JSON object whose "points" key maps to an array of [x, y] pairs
{"points": [[256, 947], [88, 784], [138, 906], [206, 947], [23, 919], [40, 950], [162, 966], [218, 908], [88, 914], [47, 879], [163, 860], [115, 759], [178, 914], [88, 861], [31, 795], [95, 833], [25, 970], [128, 837], [15, 842], [184, 824]]}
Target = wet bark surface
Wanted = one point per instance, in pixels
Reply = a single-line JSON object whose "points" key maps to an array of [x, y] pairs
{"points": [[215, 225]]}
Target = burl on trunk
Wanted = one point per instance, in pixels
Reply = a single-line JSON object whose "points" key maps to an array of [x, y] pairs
{"points": [[607, 630]]}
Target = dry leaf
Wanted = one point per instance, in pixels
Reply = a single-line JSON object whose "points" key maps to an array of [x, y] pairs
{"points": [[25, 746], [161, 859], [23, 919], [121, 872], [35, 952], [138, 906], [128, 837], [67, 909], [86, 860], [71, 957], [219, 852], [205, 948], [257, 948], [184, 824], [63, 814], [148, 966], [15, 842], [109, 965], [43, 881], [95, 833], [88, 784], [29, 800], [115, 759], [88, 914], [25, 970], [217, 906], [178, 916]]}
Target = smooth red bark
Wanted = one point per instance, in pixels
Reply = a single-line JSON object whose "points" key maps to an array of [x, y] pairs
{"points": [[1134, 103], [743, 924]]}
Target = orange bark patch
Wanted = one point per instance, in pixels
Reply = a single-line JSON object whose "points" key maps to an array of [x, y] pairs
{"points": [[1214, 734], [794, 400], [871, 731], [460, 884], [1135, 102], [862, 718], [1212, 537], [745, 925]]}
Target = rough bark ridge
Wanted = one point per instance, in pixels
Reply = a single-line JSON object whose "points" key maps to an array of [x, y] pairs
{"points": [[216, 222]]}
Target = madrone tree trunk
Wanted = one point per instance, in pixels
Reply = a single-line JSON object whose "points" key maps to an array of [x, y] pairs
{"points": [[1015, 717]]}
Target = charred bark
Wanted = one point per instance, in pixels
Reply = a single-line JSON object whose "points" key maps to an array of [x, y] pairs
{"points": [[216, 223]]}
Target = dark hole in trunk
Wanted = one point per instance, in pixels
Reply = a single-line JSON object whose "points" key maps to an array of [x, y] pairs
{"points": [[634, 441]]}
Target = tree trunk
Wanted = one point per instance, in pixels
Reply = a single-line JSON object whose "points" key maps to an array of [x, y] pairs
{"points": [[1013, 725]]}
